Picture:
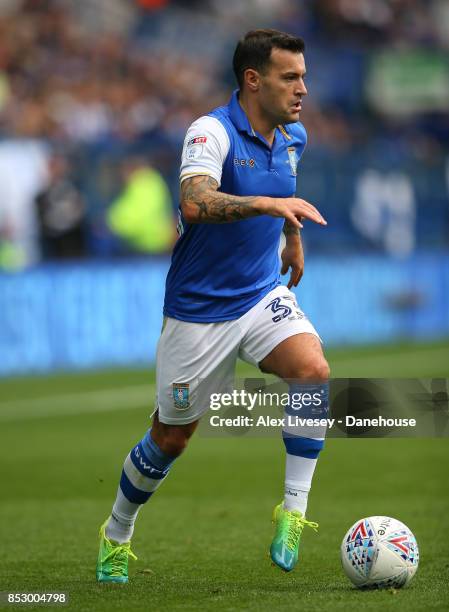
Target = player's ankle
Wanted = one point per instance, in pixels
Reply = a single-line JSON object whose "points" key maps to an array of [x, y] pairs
{"points": [[118, 531]]}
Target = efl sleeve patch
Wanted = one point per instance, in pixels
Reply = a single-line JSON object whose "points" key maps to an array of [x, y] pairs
{"points": [[194, 147], [197, 140], [205, 148]]}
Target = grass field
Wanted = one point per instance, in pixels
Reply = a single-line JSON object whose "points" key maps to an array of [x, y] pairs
{"points": [[202, 540]]}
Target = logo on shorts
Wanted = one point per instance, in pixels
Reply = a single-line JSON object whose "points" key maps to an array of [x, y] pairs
{"points": [[280, 310], [181, 396]]}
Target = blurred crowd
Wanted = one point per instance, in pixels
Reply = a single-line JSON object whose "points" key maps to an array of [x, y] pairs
{"points": [[88, 85]]}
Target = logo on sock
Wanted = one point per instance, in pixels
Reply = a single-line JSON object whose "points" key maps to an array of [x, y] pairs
{"points": [[147, 467]]}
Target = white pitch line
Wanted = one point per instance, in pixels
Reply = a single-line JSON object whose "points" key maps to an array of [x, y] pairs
{"points": [[100, 400], [136, 396], [381, 357], [411, 364]]}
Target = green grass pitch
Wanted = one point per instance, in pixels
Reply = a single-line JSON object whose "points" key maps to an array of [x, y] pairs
{"points": [[202, 540]]}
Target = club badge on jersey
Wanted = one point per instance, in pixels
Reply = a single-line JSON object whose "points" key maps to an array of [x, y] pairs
{"points": [[181, 396], [293, 159]]}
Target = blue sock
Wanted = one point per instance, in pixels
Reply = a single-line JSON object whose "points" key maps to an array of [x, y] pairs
{"points": [[144, 470], [303, 443]]}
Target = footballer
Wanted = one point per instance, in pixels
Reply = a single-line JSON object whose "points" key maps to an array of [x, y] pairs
{"points": [[223, 297]]}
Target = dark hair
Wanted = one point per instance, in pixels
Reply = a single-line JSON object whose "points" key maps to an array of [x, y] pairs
{"points": [[254, 50]]}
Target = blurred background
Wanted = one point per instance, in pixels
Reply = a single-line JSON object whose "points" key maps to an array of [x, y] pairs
{"points": [[95, 100]]}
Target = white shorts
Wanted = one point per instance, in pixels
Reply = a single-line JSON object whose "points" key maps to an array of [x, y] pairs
{"points": [[195, 360]]}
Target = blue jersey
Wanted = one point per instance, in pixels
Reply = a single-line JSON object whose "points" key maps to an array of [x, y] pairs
{"points": [[219, 271]]}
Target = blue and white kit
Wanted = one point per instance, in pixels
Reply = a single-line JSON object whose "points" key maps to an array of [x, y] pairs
{"points": [[223, 296]]}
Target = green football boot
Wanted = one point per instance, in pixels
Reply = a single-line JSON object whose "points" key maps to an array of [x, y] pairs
{"points": [[112, 563], [289, 526]]}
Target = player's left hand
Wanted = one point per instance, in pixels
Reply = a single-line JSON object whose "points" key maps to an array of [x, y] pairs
{"points": [[292, 257]]}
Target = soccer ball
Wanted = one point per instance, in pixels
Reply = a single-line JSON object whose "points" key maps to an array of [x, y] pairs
{"points": [[379, 552]]}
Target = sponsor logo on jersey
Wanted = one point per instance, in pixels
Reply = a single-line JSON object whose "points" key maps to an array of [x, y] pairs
{"points": [[181, 396], [244, 162]]}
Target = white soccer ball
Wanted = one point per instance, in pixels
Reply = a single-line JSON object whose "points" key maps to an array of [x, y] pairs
{"points": [[379, 552]]}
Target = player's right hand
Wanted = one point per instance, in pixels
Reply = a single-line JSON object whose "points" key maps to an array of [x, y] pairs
{"points": [[292, 209]]}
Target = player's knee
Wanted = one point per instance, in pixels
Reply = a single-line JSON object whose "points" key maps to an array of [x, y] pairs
{"points": [[321, 370], [315, 370]]}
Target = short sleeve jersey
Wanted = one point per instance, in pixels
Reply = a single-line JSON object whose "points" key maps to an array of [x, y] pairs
{"points": [[219, 271]]}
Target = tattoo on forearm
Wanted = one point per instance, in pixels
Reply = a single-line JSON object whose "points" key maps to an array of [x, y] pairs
{"points": [[212, 205]]}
